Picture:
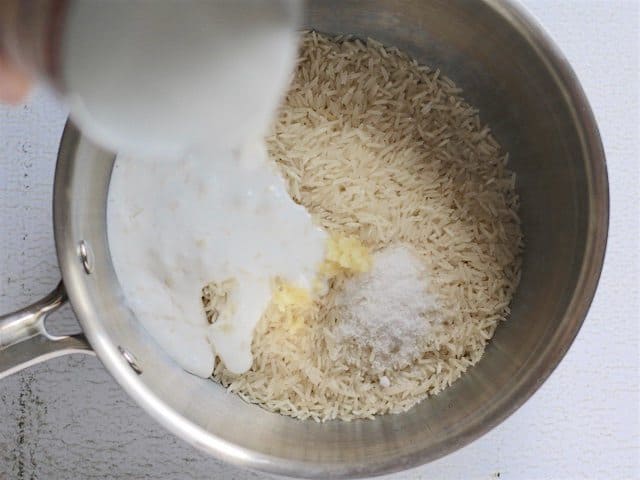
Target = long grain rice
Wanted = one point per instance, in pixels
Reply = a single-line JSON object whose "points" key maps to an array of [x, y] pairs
{"points": [[377, 146]]}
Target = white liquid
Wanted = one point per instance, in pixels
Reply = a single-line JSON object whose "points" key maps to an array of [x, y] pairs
{"points": [[176, 226]]}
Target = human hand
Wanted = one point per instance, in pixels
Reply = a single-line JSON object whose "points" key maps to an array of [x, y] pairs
{"points": [[14, 82]]}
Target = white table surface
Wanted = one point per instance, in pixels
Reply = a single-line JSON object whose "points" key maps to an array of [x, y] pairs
{"points": [[68, 419]]}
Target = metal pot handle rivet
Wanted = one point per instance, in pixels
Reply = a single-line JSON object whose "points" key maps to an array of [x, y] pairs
{"points": [[131, 359], [86, 256]]}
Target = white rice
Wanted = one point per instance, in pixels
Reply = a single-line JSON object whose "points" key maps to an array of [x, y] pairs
{"points": [[377, 146]]}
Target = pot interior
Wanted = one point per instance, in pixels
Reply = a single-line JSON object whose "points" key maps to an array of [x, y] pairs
{"points": [[528, 97]]}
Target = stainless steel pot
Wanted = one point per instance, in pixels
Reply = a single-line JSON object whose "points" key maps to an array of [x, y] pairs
{"points": [[527, 92]]}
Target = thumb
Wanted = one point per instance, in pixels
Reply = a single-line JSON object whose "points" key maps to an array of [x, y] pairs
{"points": [[14, 83]]}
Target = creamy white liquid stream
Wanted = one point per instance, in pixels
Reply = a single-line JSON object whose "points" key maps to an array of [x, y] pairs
{"points": [[217, 209]]}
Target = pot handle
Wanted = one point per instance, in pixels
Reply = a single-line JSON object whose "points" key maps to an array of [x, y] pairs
{"points": [[24, 340]]}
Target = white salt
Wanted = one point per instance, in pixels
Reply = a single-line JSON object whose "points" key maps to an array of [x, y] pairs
{"points": [[388, 311], [385, 382]]}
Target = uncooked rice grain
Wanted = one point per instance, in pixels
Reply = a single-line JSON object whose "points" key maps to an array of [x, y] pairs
{"points": [[377, 146]]}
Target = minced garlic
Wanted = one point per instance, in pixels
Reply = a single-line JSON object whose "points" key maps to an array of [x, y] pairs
{"points": [[293, 302], [346, 254]]}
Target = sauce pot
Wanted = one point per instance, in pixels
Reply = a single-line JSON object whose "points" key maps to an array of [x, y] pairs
{"points": [[528, 94]]}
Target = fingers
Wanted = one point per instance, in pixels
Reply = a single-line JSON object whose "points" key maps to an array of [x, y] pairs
{"points": [[14, 83]]}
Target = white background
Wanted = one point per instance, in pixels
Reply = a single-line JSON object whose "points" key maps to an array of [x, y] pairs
{"points": [[68, 418]]}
